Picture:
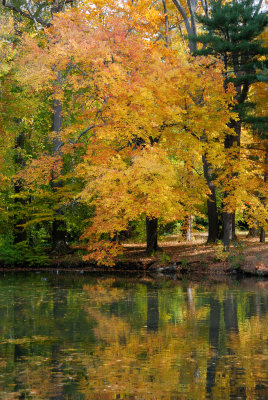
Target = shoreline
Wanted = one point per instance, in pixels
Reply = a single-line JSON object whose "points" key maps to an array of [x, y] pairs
{"points": [[156, 270], [196, 259]]}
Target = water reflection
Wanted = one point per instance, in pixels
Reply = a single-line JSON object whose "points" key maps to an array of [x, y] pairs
{"points": [[78, 337]]}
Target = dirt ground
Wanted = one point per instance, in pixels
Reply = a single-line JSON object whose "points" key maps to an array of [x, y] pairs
{"points": [[248, 255]]}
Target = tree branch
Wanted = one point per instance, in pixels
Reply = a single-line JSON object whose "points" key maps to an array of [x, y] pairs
{"points": [[190, 29], [184, 15], [83, 132], [25, 14], [258, 7]]}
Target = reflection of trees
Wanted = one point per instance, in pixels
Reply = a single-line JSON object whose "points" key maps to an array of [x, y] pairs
{"points": [[108, 339], [230, 313], [231, 370], [152, 309], [214, 331], [37, 318], [152, 362]]}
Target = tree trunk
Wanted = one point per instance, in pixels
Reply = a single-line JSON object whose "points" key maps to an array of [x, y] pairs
{"points": [[227, 229], [151, 235], [59, 244], [58, 236], [253, 232], [228, 218], [213, 219], [189, 229], [262, 235], [19, 232], [234, 237], [186, 228]]}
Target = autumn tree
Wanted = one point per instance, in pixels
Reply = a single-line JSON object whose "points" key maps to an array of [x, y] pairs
{"points": [[134, 107], [232, 33]]}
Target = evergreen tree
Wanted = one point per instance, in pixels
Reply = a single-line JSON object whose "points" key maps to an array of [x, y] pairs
{"points": [[232, 33]]}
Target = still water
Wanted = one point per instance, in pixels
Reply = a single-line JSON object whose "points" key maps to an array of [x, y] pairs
{"points": [[73, 336]]}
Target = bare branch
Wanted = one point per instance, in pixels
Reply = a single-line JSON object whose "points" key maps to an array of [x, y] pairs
{"points": [[83, 133]]}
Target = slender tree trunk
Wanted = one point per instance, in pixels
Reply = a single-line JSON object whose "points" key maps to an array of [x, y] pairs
{"points": [[151, 235], [253, 232], [262, 235], [213, 220], [59, 244], [20, 234], [228, 218], [189, 228]]}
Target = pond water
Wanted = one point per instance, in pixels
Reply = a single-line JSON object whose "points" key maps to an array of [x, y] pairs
{"points": [[74, 336]]}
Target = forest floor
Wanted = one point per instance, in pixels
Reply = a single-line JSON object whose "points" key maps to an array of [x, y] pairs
{"points": [[176, 258], [247, 256]]}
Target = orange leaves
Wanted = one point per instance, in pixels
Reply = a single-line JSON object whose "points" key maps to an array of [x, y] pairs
{"points": [[151, 108], [40, 171], [125, 187], [103, 251]]}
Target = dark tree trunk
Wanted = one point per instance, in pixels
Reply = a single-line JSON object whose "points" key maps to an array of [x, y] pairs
{"points": [[253, 232], [151, 235], [19, 232], [262, 235], [59, 244], [57, 121], [229, 142], [213, 220]]}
